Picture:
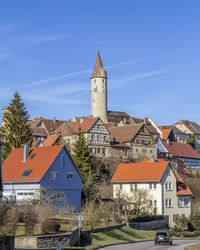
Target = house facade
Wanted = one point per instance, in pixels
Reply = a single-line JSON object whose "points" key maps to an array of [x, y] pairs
{"points": [[26, 172], [168, 195], [96, 134], [132, 141]]}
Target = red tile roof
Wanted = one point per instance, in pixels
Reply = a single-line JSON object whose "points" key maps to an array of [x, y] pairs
{"points": [[13, 167], [165, 132], [180, 150], [51, 140], [145, 171], [180, 183], [184, 191], [85, 125]]}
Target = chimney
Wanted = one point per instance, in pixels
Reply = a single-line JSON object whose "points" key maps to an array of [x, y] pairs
{"points": [[81, 120], [145, 121], [153, 159], [168, 141], [26, 151], [54, 120]]}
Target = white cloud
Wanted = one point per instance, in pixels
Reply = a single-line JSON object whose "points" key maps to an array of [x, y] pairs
{"points": [[32, 38]]}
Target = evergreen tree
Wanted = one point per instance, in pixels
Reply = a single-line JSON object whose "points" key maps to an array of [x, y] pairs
{"points": [[15, 132], [81, 155]]}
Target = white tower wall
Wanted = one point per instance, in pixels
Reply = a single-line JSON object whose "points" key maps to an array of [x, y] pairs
{"points": [[99, 97]]}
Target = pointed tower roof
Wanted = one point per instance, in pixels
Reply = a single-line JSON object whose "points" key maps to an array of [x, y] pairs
{"points": [[98, 68]]}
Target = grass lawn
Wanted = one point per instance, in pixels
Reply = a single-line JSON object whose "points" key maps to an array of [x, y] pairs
{"points": [[125, 234], [194, 247]]}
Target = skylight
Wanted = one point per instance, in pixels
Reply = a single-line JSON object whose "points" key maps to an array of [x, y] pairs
{"points": [[32, 156], [26, 172]]}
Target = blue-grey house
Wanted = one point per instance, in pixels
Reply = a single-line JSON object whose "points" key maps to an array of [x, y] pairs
{"points": [[28, 171]]}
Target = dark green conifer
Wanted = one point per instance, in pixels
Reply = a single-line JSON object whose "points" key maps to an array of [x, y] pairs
{"points": [[81, 155], [15, 131]]}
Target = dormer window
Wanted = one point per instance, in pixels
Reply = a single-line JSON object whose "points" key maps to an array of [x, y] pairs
{"points": [[26, 172], [32, 156]]}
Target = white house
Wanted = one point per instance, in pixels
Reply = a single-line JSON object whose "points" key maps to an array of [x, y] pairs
{"points": [[167, 191], [28, 171]]}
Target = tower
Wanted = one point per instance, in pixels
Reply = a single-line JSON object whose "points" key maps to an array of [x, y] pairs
{"points": [[99, 90]]}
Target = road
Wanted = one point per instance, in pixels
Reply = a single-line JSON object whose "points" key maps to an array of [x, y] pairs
{"points": [[149, 245]]}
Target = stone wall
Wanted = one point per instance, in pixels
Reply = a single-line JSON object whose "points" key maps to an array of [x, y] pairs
{"points": [[48, 241], [149, 225]]}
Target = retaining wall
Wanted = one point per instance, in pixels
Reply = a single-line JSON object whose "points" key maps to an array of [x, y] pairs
{"points": [[48, 241], [148, 225]]}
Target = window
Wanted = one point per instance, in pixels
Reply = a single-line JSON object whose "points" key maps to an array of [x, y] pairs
{"points": [[32, 156], [60, 195], [170, 185], [54, 175], [166, 185], [70, 175], [131, 187], [94, 80], [186, 202], [152, 186], [135, 187], [120, 186], [92, 150], [168, 202], [155, 203], [98, 126], [151, 203], [105, 138], [92, 137], [98, 138], [103, 80], [95, 89], [98, 150], [180, 202], [104, 151], [26, 172], [62, 161]]}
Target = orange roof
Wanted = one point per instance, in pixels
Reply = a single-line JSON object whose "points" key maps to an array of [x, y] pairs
{"points": [[51, 140], [165, 132], [184, 191], [85, 125], [13, 167], [145, 171]]}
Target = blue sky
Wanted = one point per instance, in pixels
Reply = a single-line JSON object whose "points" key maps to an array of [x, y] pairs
{"points": [[150, 49]]}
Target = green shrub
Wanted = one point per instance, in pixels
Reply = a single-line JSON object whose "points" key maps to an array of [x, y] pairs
{"points": [[50, 225], [146, 218]]}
